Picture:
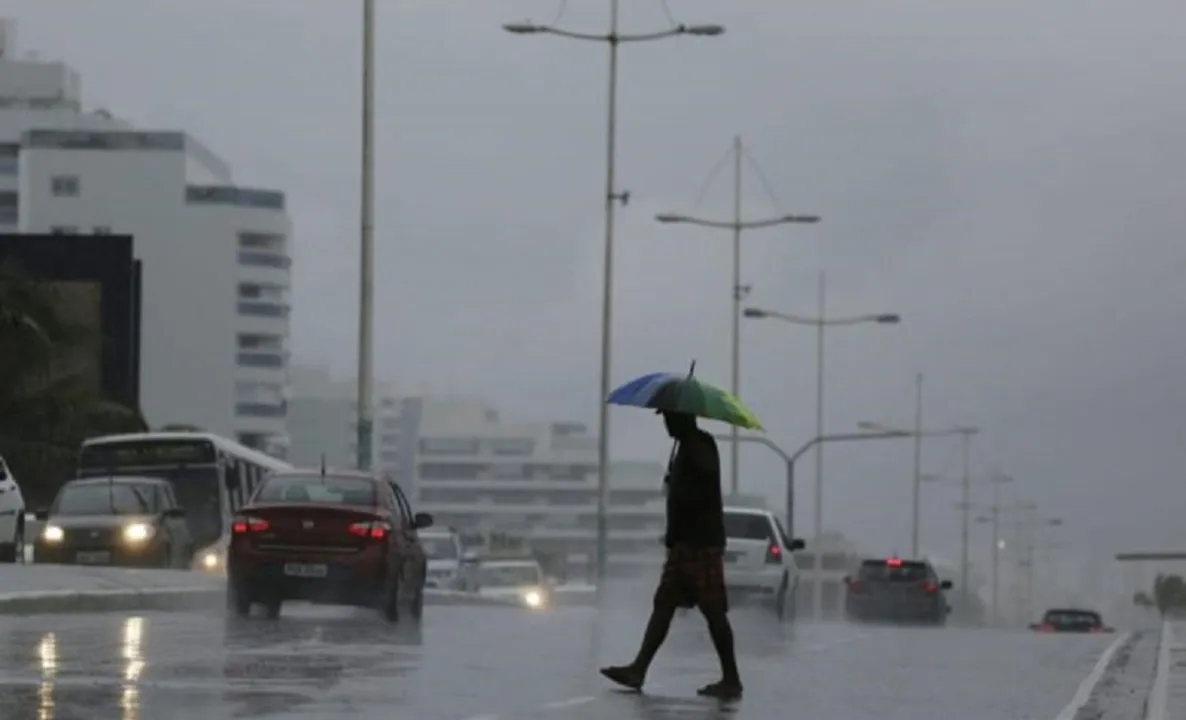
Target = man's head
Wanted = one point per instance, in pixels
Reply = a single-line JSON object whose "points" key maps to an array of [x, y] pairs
{"points": [[679, 425]]}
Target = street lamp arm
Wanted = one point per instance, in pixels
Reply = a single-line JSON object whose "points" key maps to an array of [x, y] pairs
{"points": [[827, 322], [845, 437], [733, 225], [532, 29], [948, 432]]}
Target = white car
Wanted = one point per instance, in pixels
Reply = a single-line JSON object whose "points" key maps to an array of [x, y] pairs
{"points": [[12, 517], [442, 547], [759, 560], [520, 580]]}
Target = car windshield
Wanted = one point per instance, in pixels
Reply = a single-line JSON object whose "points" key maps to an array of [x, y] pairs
{"points": [[198, 492], [905, 571], [439, 548], [1072, 618], [747, 526], [104, 499], [509, 575], [318, 489]]}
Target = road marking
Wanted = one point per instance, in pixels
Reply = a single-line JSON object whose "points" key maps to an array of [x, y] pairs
{"points": [[571, 702], [1083, 694]]}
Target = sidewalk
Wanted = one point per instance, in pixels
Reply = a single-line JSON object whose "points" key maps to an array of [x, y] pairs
{"points": [[1167, 700]]}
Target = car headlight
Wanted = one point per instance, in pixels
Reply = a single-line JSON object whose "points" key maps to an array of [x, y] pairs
{"points": [[211, 560], [138, 532], [53, 534], [533, 598]]}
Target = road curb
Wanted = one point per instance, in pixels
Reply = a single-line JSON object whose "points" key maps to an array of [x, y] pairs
{"points": [[175, 598]]}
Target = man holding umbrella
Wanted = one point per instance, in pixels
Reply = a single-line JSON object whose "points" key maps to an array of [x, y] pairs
{"points": [[693, 574]]}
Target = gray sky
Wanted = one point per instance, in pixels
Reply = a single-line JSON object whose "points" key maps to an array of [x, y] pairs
{"points": [[1005, 173]]}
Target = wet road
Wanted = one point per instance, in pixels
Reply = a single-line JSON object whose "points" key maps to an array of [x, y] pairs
{"points": [[466, 663]]}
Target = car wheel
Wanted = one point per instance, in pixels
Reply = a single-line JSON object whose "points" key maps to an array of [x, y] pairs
{"points": [[389, 603], [14, 552], [237, 601], [780, 599], [272, 607]]}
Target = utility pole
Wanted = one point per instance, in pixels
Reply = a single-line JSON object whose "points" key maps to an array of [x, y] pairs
{"points": [[917, 512], [739, 294], [366, 300]]}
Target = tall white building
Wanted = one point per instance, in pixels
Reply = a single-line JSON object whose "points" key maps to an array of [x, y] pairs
{"points": [[215, 256], [323, 420]]}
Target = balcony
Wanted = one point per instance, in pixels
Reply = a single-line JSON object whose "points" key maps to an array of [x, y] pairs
{"points": [[264, 259], [270, 360]]}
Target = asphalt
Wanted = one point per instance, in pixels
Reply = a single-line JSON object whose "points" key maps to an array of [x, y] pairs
{"points": [[464, 663]]}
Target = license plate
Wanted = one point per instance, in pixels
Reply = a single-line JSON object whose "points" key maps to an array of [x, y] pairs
{"points": [[732, 556], [93, 558], [305, 570]]}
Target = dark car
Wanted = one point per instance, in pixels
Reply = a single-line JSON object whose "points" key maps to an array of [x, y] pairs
{"points": [[340, 538], [1070, 620], [896, 590], [126, 521]]}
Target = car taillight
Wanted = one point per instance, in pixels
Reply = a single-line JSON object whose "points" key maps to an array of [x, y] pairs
{"points": [[243, 525], [930, 586], [377, 530], [773, 554]]}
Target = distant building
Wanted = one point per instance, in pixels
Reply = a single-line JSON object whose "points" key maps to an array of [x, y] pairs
{"points": [[98, 285], [215, 321]]}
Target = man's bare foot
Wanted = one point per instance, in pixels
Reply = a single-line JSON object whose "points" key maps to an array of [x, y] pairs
{"points": [[624, 675], [722, 690]]}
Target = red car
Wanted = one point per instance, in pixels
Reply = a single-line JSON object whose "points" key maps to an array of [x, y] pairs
{"points": [[341, 538], [1070, 620]]}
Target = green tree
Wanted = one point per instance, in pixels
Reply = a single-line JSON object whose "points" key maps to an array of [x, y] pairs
{"points": [[49, 401], [1168, 595]]}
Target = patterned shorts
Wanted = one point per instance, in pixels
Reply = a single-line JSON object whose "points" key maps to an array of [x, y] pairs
{"points": [[693, 577]]}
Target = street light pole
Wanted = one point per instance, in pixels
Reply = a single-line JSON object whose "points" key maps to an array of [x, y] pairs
{"points": [[965, 514], [738, 296], [917, 509], [366, 300], [740, 291], [613, 196], [821, 323]]}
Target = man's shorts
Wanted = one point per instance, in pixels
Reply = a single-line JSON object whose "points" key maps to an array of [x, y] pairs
{"points": [[693, 577]]}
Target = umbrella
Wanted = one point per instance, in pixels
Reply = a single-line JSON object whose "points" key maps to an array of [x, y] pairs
{"points": [[668, 392]]}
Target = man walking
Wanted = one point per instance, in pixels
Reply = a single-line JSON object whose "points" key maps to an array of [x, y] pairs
{"points": [[694, 572]]}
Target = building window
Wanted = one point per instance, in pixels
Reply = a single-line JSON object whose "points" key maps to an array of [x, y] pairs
{"points": [[63, 230], [260, 341], [450, 446], [258, 259], [101, 230], [9, 159], [263, 309], [261, 359], [254, 391], [260, 410], [64, 185]]}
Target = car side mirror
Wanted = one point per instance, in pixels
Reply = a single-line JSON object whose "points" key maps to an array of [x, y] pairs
{"points": [[421, 520], [945, 585], [174, 513], [797, 544], [41, 515]]}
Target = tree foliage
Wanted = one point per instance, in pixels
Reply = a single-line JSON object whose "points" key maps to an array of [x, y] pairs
{"points": [[1168, 595], [49, 399]]}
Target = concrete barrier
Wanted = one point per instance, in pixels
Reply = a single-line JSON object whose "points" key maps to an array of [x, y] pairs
{"points": [[28, 589]]}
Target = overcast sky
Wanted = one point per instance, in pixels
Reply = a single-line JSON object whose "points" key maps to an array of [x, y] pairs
{"points": [[1006, 174]]}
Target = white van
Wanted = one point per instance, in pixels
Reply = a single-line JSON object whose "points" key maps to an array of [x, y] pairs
{"points": [[442, 547], [12, 517]]}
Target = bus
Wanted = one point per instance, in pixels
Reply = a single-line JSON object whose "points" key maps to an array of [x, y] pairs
{"points": [[212, 478]]}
